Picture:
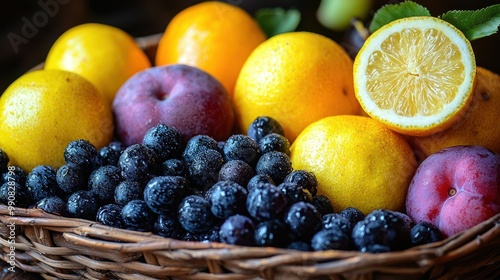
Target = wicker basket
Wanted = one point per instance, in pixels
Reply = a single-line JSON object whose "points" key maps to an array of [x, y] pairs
{"points": [[63, 248]]}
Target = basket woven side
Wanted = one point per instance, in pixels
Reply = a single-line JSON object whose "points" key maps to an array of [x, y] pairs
{"points": [[74, 249]]}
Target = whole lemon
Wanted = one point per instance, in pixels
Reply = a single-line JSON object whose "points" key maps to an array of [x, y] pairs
{"points": [[105, 55], [214, 36], [358, 162], [296, 78], [477, 126], [42, 111]]}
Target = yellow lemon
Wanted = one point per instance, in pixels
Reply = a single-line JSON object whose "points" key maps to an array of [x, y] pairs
{"points": [[478, 125], [358, 162], [42, 111], [296, 78], [415, 75], [105, 55]]}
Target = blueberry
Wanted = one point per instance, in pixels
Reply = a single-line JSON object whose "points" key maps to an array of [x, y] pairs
{"points": [[241, 147], [304, 220], [206, 194], [53, 205], [163, 194], [337, 221], [237, 171], [103, 181], [263, 126], [354, 215], [220, 145], [168, 226], [379, 231], [331, 239], [409, 223], [275, 164], [259, 179], [109, 156], [137, 216], [266, 202], [272, 233], [198, 143], [41, 183], [323, 204], [117, 146], [212, 234], [294, 193], [82, 154], [13, 194], [138, 163], [127, 191], [110, 215], [237, 230], [195, 215], [227, 198], [14, 173], [71, 178], [423, 233], [164, 140], [174, 167], [4, 161], [300, 246], [305, 179], [82, 204], [204, 168], [274, 142]]}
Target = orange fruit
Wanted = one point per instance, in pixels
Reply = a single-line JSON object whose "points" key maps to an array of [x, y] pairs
{"points": [[214, 36], [105, 55], [358, 162], [42, 111], [478, 126], [296, 78], [415, 75]]}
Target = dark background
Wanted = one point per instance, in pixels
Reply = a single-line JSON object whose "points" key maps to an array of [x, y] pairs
{"points": [[141, 18]]}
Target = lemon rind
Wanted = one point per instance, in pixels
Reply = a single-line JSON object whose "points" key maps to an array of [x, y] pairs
{"points": [[416, 124]]}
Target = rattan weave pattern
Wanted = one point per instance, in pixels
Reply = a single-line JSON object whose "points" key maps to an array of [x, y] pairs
{"points": [[65, 248]]}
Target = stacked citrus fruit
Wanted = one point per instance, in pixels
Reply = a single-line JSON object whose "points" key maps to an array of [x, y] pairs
{"points": [[70, 98]]}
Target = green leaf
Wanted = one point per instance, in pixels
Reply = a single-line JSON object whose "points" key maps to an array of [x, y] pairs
{"points": [[391, 12], [475, 24], [277, 20]]}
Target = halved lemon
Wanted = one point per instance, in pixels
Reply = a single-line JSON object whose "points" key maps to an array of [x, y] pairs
{"points": [[416, 75]]}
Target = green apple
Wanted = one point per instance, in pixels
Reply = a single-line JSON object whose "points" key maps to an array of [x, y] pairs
{"points": [[337, 14]]}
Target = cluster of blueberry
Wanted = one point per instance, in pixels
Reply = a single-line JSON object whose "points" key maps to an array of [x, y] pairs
{"points": [[240, 191]]}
